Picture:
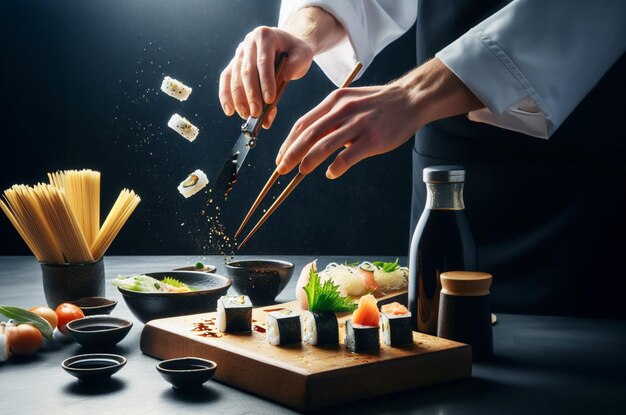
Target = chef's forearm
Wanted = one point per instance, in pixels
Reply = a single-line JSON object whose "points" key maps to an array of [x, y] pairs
{"points": [[318, 28], [436, 92]]}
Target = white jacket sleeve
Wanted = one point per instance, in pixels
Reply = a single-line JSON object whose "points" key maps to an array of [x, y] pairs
{"points": [[533, 61], [370, 24]]}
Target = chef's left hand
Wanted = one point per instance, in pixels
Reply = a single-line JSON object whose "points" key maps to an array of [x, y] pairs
{"points": [[373, 120]]}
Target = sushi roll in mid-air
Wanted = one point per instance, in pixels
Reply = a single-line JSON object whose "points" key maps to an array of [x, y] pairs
{"points": [[283, 327], [175, 88], [395, 322], [183, 127], [195, 182], [362, 330], [319, 328], [234, 314]]}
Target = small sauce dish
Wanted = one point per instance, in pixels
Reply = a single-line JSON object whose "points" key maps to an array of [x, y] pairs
{"points": [[99, 331], [187, 372], [95, 305], [93, 368]]}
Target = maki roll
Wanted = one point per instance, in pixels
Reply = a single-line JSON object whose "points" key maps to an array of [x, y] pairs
{"points": [[319, 328], [362, 330], [234, 314], [183, 127], [175, 88], [395, 324], [283, 327], [195, 182]]}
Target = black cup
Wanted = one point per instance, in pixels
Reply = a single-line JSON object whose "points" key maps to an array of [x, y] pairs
{"points": [[66, 282], [465, 311]]}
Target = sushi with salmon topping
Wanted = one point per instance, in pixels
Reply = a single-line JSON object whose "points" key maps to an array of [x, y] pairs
{"points": [[362, 333], [395, 323]]}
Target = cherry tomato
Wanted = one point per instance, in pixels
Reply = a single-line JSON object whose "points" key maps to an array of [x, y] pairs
{"points": [[24, 339], [67, 312], [47, 314]]}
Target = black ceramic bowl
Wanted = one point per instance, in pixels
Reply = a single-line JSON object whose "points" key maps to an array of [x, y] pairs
{"points": [[93, 368], [260, 279], [150, 306], [92, 306], [99, 331], [186, 372]]}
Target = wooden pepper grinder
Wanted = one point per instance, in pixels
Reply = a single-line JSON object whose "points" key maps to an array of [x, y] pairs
{"points": [[465, 311]]}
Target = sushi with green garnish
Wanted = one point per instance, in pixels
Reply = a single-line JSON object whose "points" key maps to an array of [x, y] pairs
{"points": [[283, 327], [234, 314]]}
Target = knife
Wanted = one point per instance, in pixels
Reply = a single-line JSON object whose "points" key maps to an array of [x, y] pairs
{"points": [[227, 177]]}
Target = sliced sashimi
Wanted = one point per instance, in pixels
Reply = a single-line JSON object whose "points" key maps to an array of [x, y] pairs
{"points": [[394, 308], [367, 313], [301, 298]]}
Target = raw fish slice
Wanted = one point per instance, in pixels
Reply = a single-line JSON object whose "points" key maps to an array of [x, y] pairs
{"points": [[301, 298], [367, 313]]}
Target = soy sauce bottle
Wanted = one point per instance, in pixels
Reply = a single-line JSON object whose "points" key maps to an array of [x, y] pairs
{"points": [[442, 242]]}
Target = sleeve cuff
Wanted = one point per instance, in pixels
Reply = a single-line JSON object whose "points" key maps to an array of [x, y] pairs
{"points": [[338, 61], [512, 102]]}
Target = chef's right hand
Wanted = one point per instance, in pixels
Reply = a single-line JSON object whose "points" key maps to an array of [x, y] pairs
{"points": [[248, 81]]}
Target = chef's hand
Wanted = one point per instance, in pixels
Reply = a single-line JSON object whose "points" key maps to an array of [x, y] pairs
{"points": [[248, 81], [373, 120]]}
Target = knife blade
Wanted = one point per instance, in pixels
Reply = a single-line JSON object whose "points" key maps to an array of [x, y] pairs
{"points": [[229, 173]]}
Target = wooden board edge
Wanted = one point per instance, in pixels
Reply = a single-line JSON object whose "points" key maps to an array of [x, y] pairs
{"points": [[325, 389]]}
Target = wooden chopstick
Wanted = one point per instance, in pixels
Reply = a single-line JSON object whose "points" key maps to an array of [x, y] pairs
{"points": [[290, 187]]}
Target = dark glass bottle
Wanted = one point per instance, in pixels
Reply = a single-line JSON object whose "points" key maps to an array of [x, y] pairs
{"points": [[442, 242]]}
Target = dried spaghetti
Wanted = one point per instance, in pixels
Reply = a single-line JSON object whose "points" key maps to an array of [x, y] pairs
{"points": [[59, 222]]}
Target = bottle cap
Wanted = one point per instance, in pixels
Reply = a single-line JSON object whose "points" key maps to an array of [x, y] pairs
{"points": [[465, 283], [444, 174]]}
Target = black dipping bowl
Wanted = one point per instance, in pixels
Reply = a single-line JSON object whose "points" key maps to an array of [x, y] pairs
{"points": [[99, 331], [93, 368], [186, 372], [92, 306], [150, 306], [260, 279]]}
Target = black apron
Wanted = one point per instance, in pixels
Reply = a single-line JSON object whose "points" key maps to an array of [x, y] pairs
{"points": [[548, 216]]}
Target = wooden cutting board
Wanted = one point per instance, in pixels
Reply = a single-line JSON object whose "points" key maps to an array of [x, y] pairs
{"points": [[302, 376]]}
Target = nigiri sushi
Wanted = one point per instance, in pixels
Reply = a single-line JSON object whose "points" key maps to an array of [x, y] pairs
{"points": [[362, 330], [175, 88], [283, 327], [195, 182], [395, 322], [234, 314], [183, 127]]}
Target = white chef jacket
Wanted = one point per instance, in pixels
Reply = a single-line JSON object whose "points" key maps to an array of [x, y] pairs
{"points": [[530, 63]]}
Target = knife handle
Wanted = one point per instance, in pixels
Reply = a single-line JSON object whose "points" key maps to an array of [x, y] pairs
{"points": [[252, 127]]}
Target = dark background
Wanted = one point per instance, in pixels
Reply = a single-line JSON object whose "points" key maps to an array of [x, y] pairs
{"points": [[81, 79]]}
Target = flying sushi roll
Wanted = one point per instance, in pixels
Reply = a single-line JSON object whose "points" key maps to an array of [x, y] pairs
{"points": [[319, 328], [183, 127], [234, 314], [175, 88], [362, 333], [195, 182], [283, 327], [395, 322]]}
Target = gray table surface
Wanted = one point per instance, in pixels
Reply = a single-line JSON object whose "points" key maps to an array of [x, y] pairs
{"points": [[542, 365]]}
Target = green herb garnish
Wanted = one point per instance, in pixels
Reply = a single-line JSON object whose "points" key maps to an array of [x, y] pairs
{"points": [[387, 266], [326, 297], [174, 282], [22, 316], [199, 265]]}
